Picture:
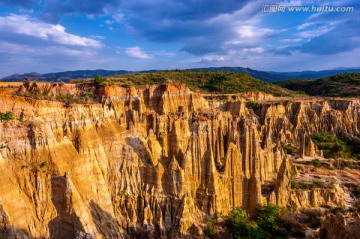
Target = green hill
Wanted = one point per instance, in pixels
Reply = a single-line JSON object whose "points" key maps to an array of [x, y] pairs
{"points": [[202, 81], [342, 85], [268, 76]]}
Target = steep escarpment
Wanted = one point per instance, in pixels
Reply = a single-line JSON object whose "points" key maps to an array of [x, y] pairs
{"points": [[151, 163]]}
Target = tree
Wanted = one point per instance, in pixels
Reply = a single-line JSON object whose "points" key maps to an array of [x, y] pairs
{"points": [[98, 80], [266, 218], [26, 83], [242, 227]]}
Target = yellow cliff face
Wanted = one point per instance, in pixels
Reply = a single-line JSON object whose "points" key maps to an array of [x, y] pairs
{"points": [[149, 163]]}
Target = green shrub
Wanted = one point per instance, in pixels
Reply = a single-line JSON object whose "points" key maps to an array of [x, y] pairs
{"points": [[331, 185], [357, 192], [26, 83], [356, 207], [299, 168], [67, 104], [252, 105], [43, 164], [6, 116], [210, 229], [316, 162], [237, 218], [289, 149], [294, 185], [89, 94], [303, 185], [211, 226], [318, 184], [323, 137], [292, 172], [286, 102], [336, 210]]}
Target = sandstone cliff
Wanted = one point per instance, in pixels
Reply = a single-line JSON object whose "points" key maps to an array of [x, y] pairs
{"points": [[150, 163]]}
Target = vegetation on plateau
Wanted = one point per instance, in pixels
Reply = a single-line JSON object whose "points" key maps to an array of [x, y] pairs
{"points": [[341, 85], [86, 96], [310, 185], [337, 146], [205, 81]]}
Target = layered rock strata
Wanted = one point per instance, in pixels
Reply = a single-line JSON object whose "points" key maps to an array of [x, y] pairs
{"points": [[150, 163]]}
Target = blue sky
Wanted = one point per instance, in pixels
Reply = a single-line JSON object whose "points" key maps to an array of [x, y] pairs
{"points": [[57, 35]]}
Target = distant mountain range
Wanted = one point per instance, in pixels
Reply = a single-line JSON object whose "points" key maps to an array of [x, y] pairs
{"points": [[272, 76], [64, 76], [268, 76]]}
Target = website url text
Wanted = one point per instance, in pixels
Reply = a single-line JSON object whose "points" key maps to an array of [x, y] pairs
{"points": [[274, 8]]}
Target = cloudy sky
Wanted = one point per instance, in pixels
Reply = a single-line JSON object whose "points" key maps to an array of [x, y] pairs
{"points": [[57, 35]]}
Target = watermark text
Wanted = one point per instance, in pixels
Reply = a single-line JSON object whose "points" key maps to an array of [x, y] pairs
{"points": [[275, 8]]}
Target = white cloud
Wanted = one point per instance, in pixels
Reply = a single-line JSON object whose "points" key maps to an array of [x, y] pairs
{"points": [[97, 37], [254, 32], [137, 53], [291, 40], [40, 51], [305, 25], [212, 58], [254, 50], [119, 17], [314, 33], [292, 3], [38, 46], [164, 53], [109, 22], [27, 26]]}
